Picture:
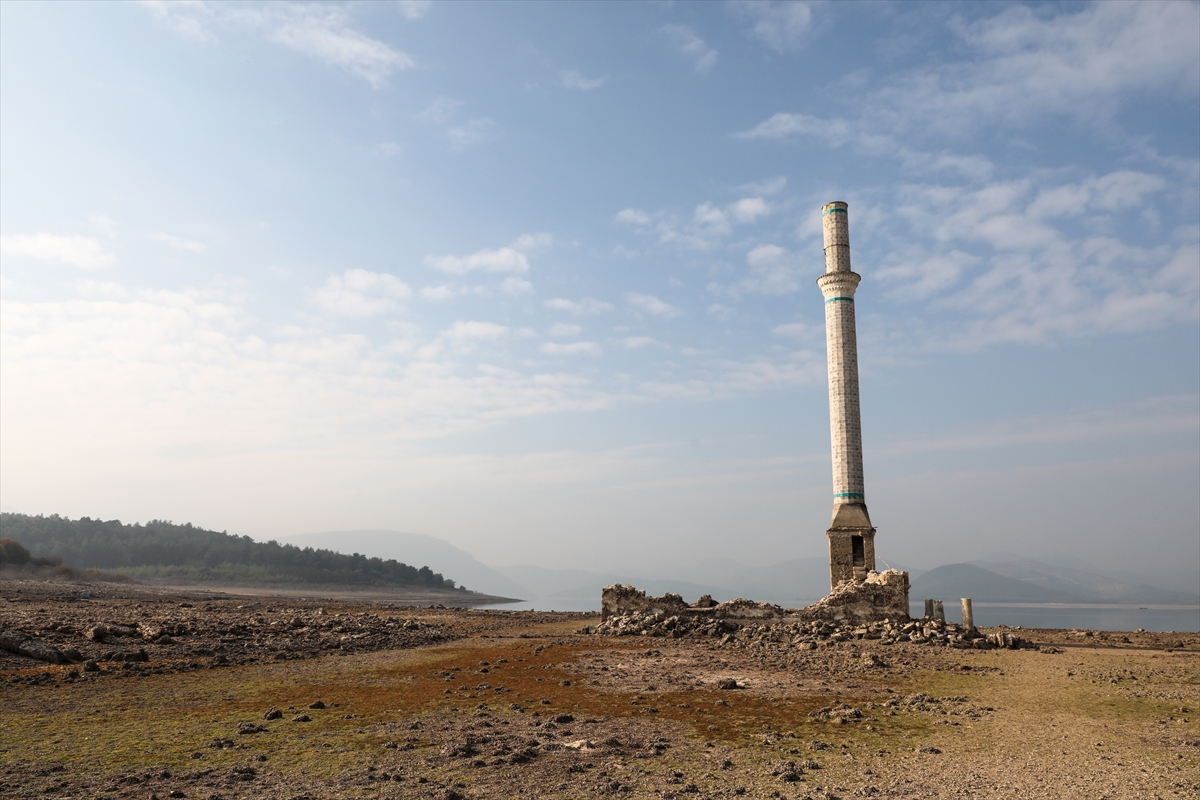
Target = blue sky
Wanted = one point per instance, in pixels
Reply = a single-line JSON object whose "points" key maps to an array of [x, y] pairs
{"points": [[539, 279]]}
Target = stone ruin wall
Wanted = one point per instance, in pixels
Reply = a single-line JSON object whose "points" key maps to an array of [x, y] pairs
{"points": [[883, 595]]}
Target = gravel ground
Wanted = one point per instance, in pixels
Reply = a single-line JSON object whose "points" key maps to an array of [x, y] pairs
{"points": [[283, 698]]}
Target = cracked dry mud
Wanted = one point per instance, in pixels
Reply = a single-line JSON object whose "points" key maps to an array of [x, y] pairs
{"points": [[371, 700]]}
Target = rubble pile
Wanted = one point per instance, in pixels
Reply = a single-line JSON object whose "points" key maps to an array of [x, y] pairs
{"points": [[804, 635]]}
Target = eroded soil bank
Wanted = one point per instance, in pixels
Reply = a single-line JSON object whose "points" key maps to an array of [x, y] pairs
{"points": [[281, 698]]}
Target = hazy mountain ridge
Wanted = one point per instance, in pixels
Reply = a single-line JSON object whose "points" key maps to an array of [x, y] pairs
{"points": [[1091, 585], [414, 547], [162, 550]]}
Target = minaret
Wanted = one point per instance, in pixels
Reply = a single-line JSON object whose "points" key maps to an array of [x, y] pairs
{"points": [[851, 536]]}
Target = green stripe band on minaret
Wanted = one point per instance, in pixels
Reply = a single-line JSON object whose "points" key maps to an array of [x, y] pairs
{"points": [[835, 299], [834, 210], [849, 494]]}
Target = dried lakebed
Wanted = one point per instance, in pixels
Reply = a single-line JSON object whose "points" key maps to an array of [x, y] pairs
{"points": [[266, 697]]}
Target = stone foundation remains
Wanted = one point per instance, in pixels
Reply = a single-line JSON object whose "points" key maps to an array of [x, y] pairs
{"points": [[880, 596], [876, 609]]}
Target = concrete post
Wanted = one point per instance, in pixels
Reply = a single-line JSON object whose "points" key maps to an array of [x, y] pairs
{"points": [[851, 535], [968, 615], [939, 611], [928, 608]]}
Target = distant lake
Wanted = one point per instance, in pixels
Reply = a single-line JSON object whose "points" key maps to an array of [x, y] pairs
{"points": [[1091, 617], [1027, 615]]}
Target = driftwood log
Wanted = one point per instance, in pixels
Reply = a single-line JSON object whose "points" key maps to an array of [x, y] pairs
{"points": [[22, 644]]}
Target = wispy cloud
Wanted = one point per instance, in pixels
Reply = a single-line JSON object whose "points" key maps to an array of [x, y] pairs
{"points": [[324, 32], [85, 252], [515, 286], [691, 45], [573, 80], [471, 132], [652, 305], [1019, 66], [414, 9], [190, 18], [774, 270], [440, 111], [586, 306], [709, 222], [782, 26], [359, 293], [638, 342], [182, 245], [572, 349], [560, 330], [511, 259], [448, 291]]}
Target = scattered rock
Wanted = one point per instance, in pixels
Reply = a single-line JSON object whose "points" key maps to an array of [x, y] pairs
{"points": [[273, 713], [15, 641]]}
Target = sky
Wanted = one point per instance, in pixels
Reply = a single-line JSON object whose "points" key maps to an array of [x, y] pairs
{"points": [[539, 279]]}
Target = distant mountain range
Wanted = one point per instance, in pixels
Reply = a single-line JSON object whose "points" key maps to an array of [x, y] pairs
{"points": [[1001, 578]]}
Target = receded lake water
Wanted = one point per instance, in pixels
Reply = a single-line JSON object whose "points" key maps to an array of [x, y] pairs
{"points": [[1027, 615]]}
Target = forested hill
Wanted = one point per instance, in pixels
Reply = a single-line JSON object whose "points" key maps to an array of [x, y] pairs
{"points": [[165, 550]]}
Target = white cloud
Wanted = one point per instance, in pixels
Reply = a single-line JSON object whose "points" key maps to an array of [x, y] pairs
{"points": [[515, 286], [572, 349], [529, 242], [638, 342], [414, 9], [1019, 66], [783, 126], [862, 136], [771, 186], [103, 224], [443, 292], [749, 209], [322, 32], [182, 245], [190, 18], [503, 259], [926, 274], [475, 331], [561, 330], [773, 271], [1113, 192], [573, 80], [579, 308], [780, 25], [633, 216], [84, 252], [359, 293], [440, 111], [708, 220], [692, 46], [722, 312], [472, 132], [652, 305], [448, 291], [998, 270]]}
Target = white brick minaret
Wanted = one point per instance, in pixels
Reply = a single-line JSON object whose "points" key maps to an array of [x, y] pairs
{"points": [[851, 536]]}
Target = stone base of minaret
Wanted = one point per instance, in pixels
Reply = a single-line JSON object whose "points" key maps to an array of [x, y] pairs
{"points": [[851, 545]]}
